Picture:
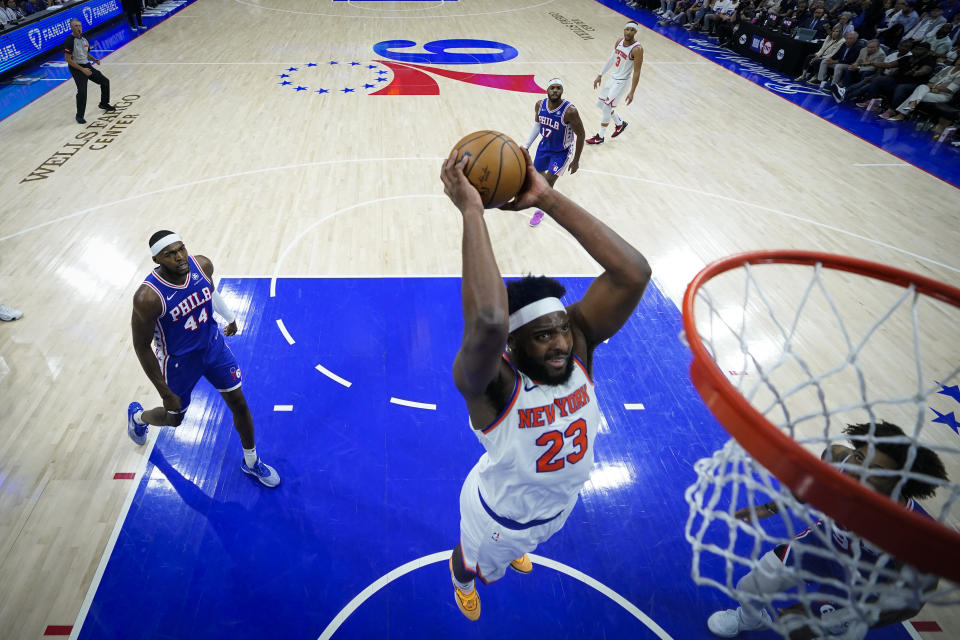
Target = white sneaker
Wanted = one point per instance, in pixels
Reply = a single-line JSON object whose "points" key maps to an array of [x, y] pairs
{"points": [[728, 623], [9, 314]]}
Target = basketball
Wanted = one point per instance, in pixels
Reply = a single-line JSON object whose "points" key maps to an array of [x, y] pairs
{"points": [[496, 166]]}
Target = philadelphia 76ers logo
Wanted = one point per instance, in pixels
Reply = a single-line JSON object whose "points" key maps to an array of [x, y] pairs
{"points": [[401, 71]]}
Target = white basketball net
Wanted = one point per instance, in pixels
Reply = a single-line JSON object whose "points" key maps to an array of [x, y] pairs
{"points": [[814, 350]]}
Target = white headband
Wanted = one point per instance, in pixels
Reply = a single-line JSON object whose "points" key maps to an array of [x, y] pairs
{"points": [[163, 243], [632, 24], [533, 311], [555, 81]]}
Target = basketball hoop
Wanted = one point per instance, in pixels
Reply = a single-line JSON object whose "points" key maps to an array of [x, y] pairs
{"points": [[784, 368]]}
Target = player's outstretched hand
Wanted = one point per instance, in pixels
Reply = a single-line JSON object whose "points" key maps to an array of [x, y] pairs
{"points": [[535, 187], [230, 329], [596, 83], [455, 184]]}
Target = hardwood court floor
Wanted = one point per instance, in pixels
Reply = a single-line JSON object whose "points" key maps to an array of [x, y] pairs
{"points": [[267, 180]]}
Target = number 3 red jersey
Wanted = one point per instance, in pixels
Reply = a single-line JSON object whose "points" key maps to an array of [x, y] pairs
{"points": [[186, 323], [540, 449]]}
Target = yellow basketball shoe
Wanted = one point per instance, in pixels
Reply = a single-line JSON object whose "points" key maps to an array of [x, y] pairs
{"points": [[469, 603], [523, 564]]}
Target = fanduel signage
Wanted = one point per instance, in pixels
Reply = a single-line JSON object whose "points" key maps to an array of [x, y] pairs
{"points": [[31, 40]]}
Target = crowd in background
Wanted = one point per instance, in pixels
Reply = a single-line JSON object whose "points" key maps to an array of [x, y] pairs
{"points": [[15, 12], [899, 59]]}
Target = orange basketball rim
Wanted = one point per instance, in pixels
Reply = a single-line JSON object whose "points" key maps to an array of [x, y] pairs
{"points": [[923, 542]]}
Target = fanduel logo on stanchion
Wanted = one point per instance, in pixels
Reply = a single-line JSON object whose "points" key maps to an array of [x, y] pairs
{"points": [[36, 39]]}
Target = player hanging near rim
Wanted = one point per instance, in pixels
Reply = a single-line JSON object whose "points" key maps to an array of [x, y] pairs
{"points": [[819, 556], [627, 50], [173, 310], [533, 408], [557, 121]]}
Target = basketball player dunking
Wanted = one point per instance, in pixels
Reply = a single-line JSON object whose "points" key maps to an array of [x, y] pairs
{"points": [[557, 121], [173, 312], [626, 60], [533, 407]]}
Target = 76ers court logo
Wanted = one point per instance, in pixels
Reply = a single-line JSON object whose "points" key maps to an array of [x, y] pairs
{"points": [[402, 71]]}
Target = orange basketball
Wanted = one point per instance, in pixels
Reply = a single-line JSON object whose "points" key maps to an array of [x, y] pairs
{"points": [[496, 166]]}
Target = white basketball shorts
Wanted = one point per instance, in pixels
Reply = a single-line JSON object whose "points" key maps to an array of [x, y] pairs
{"points": [[489, 547]]}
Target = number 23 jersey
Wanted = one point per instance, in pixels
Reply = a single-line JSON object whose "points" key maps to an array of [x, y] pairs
{"points": [[540, 449]]}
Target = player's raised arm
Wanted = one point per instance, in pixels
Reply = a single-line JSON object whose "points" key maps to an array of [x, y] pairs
{"points": [[613, 296], [485, 316]]}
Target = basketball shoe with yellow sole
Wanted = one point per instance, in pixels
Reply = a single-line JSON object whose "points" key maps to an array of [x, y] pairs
{"points": [[523, 564], [469, 603]]}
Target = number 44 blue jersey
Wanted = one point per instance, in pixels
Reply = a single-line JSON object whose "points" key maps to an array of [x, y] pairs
{"points": [[186, 323]]}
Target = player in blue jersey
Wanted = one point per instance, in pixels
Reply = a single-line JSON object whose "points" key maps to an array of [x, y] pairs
{"points": [[177, 341], [819, 553], [557, 122]]}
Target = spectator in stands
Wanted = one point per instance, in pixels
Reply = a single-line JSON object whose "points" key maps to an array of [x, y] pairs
{"points": [[678, 15], [723, 11], [940, 42], [817, 22], [887, 67], [865, 65], [844, 22], [708, 9], [811, 65], [912, 71], [796, 15], [941, 88], [13, 12], [696, 11], [28, 7], [724, 28], [905, 17], [845, 56], [928, 25]]}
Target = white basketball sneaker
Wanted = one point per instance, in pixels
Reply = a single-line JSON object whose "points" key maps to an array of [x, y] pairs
{"points": [[729, 622]]}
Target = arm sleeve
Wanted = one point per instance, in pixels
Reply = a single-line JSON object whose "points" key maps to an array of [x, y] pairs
{"points": [[222, 309], [609, 63], [534, 132]]}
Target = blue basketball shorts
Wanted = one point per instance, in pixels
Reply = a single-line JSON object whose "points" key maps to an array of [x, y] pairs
{"points": [[216, 363], [554, 162]]}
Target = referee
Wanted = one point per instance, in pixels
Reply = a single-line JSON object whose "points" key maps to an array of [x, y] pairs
{"points": [[77, 54]]}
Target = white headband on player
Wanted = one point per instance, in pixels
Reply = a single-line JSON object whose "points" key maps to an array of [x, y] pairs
{"points": [[534, 310], [557, 81], [163, 243], [631, 25]]}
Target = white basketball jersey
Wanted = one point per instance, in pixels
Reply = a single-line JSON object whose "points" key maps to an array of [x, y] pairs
{"points": [[623, 65], [540, 449]]}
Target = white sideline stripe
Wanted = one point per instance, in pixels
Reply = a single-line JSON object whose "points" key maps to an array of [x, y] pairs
{"points": [[411, 403], [442, 556], [882, 164], [913, 633], [283, 407], [330, 374], [111, 543], [284, 331], [633, 406]]}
